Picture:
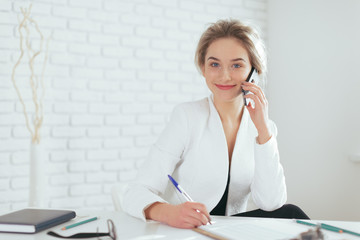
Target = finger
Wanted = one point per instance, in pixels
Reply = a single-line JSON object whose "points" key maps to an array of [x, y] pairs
{"points": [[262, 98], [255, 89], [205, 220], [250, 108], [192, 210], [194, 216], [201, 217], [202, 208], [257, 95], [195, 219], [188, 219], [255, 98], [188, 225]]}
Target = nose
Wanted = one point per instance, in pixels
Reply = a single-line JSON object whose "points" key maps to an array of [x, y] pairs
{"points": [[225, 74]]}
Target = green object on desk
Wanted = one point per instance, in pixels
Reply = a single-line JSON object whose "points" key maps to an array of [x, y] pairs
{"points": [[329, 227], [322, 226], [341, 230], [306, 223], [79, 223]]}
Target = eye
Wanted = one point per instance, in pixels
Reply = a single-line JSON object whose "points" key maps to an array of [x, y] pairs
{"points": [[214, 64], [236, 65]]}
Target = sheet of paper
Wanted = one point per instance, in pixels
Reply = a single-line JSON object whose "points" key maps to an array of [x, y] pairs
{"points": [[255, 229], [269, 229]]}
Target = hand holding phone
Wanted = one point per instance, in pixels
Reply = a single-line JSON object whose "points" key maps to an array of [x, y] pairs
{"points": [[253, 78], [259, 110]]}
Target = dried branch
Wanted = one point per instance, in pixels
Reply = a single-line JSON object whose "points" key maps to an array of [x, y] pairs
{"points": [[34, 80]]}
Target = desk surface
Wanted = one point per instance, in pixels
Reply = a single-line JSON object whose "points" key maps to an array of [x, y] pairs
{"points": [[131, 228]]}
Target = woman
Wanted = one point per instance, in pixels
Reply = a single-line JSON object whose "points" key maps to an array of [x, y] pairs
{"points": [[217, 148]]}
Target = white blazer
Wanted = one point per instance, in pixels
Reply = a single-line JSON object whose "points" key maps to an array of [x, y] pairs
{"points": [[193, 149]]}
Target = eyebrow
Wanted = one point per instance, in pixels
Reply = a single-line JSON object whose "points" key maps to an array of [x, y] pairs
{"points": [[233, 60]]}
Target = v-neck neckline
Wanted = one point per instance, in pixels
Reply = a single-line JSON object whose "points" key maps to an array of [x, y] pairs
{"points": [[243, 122]]}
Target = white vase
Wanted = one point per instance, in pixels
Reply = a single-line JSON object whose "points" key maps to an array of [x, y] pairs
{"points": [[37, 176]]}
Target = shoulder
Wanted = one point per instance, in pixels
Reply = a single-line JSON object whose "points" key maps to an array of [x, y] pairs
{"points": [[194, 108], [192, 114]]}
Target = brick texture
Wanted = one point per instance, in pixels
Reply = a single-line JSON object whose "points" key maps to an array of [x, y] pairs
{"points": [[115, 71]]}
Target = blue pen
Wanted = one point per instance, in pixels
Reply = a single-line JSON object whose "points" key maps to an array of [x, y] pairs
{"points": [[182, 191]]}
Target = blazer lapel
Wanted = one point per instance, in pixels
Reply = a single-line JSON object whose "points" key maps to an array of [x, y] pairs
{"points": [[218, 155], [242, 165]]}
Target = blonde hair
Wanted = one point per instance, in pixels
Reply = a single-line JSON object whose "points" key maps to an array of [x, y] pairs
{"points": [[247, 35]]}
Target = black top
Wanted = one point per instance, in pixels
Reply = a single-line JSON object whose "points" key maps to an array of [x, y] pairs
{"points": [[220, 208]]}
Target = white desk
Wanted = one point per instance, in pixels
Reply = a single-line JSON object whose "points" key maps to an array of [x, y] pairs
{"points": [[133, 229]]}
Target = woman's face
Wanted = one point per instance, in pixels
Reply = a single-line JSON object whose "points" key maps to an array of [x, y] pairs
{"points": [[226, 66]]}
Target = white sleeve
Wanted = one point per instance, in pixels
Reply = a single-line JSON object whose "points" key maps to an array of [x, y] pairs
{"points": [[268, 187], [152, 177]]}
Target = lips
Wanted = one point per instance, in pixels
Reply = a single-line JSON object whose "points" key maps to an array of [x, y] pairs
{"points": [[224, 87]]}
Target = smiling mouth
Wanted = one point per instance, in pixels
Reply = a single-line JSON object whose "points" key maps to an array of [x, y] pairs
{"points": [[224, 87]]}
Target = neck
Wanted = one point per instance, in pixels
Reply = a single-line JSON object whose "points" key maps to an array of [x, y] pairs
{"points": [[230, 111]]}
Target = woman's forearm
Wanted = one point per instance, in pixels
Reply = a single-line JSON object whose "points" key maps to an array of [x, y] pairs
{"points": [[154, 212], [185, 215]]}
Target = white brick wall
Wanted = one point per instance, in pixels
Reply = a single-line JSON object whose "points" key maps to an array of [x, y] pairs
{"points": [[116, 69]]}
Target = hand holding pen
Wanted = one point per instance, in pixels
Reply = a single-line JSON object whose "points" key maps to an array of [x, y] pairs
{"points": [[200, 209]]}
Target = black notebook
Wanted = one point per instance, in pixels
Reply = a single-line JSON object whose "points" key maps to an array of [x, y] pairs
{"points": [[32, 220]]}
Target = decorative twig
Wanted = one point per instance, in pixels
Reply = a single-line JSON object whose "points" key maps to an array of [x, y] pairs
{"points": [[34, 80]]}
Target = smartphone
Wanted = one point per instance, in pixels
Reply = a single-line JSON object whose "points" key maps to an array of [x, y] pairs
{"points": [[253, 78]]}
